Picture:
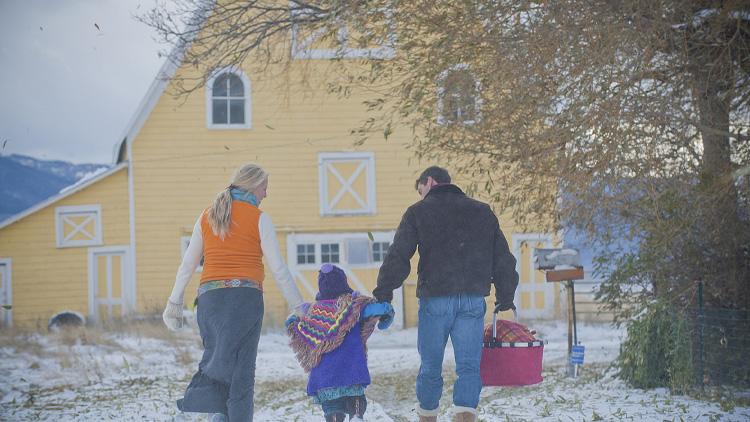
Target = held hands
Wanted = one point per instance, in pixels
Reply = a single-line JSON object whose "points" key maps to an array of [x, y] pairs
{"points": [[386, 319], [383, 310], [290, 320], [297, 312], [172, 315]]}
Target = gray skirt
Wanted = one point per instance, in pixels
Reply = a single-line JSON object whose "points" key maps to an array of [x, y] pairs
{"points": [[230, 322]]}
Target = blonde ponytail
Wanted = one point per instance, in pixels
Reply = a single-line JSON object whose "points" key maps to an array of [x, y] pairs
{"points": [[220, 214], [246, 178]]}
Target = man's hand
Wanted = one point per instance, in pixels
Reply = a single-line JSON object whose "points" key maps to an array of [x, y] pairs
{"points": [[504, 306]]}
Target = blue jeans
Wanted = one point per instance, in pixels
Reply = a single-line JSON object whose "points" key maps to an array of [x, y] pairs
{"points": [[462, 318]]}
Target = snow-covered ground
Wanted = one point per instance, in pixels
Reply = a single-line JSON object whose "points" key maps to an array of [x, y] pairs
{"points": [[138, 373]]}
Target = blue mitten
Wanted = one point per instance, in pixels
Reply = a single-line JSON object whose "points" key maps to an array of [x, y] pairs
{"points": [[375, 309], [386, 321], [384, 309], [290, 320]]}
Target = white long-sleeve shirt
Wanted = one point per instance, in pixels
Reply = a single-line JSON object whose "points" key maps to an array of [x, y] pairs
{"points": [[269, 245]]}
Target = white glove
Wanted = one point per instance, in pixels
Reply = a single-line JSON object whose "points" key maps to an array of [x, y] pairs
{"points": [[297, 311], [172, 316]]}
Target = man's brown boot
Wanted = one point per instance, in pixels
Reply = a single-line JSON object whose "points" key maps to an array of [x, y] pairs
{"points": [[465, 417], [433, 414]]}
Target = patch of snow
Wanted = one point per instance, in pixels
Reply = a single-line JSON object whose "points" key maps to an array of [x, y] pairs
{"points": [[129, 377]]}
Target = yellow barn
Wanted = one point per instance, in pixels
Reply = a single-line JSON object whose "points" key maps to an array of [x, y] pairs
{"points": [[111, 246]]}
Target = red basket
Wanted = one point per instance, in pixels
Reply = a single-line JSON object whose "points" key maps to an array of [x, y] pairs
{"points": [[510, 364]]}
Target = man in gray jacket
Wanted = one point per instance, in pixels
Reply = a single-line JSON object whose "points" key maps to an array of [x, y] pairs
{"points": [[462, 251]]}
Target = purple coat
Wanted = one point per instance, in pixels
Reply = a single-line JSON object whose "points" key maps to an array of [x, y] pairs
{"points": [[346, 365]]}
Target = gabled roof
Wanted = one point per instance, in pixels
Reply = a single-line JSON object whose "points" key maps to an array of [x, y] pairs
{"points": [[147, 104], [158, 85], [66, 192]]}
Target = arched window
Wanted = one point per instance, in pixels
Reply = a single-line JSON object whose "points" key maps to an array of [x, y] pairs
{"points": [[458, 97], [228, 102]]}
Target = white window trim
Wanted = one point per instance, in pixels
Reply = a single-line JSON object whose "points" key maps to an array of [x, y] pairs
{"points": [[441, 90], [294, 239], [382, 252], [317, 239], [7, 287], [247, 95], [95, 211], [184, 242], [367, 159], [300, 51]]}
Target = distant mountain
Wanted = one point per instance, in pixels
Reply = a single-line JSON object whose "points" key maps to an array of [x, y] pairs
{"points": [[27, 181]]}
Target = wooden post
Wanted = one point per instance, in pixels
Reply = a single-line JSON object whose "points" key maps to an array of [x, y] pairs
{"points": [[569, 305], [567, 276]]}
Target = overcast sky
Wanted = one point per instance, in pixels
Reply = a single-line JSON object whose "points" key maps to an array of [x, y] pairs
{"points": [[68, 88]]}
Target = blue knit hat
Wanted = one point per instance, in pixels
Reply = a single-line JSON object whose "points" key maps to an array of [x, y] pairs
{"points": [[331, 282]]}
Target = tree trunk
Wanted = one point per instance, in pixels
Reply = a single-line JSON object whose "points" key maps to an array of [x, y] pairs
{"points": [[725, 233]]}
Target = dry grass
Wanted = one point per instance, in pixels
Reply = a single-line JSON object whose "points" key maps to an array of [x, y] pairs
{"points": [[20, 339], [63, 344]]}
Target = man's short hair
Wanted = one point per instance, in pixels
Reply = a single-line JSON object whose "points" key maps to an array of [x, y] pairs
{"points": [[438, 174]]}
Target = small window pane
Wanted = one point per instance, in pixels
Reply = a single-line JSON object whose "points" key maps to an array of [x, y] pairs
{"points": [[358, 251], [454, 108], [237, 111], [329, 252], [305, 254], [459, 97], [220, 111], [220, 86], [236, 88], [378, 251]]}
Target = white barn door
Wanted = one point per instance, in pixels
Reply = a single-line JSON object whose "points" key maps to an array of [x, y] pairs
{"points": [[6, 292], [535, 297], [111, 288]]}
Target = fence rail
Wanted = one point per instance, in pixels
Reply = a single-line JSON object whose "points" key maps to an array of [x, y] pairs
{"points": [[587, 308]]}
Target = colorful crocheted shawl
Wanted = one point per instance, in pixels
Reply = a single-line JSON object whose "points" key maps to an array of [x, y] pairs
{"points": [[325, 325]]}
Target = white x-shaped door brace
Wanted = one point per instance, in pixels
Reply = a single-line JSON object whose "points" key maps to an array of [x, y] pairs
{"points": [[78, 228], [346, 185]]}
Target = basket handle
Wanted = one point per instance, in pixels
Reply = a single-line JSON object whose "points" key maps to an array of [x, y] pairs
{"points": [[494, 322]]}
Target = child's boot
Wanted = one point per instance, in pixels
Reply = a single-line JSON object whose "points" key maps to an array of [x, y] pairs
{"points": [[356, 406], [335, 417]]}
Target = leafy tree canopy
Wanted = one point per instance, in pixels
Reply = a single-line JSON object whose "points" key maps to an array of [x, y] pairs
{"points": [[625, 120]]}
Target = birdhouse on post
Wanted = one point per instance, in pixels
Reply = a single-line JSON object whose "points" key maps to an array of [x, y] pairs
{"points": [[563, 265]]}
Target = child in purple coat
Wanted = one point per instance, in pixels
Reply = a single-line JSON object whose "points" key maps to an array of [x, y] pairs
{"points": [[330, 341]]}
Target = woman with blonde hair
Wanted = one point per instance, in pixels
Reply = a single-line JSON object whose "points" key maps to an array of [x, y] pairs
{"points": [[232, 236]]}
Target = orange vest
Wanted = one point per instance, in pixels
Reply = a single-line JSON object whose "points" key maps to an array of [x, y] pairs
{"points": [[237, 256]]}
